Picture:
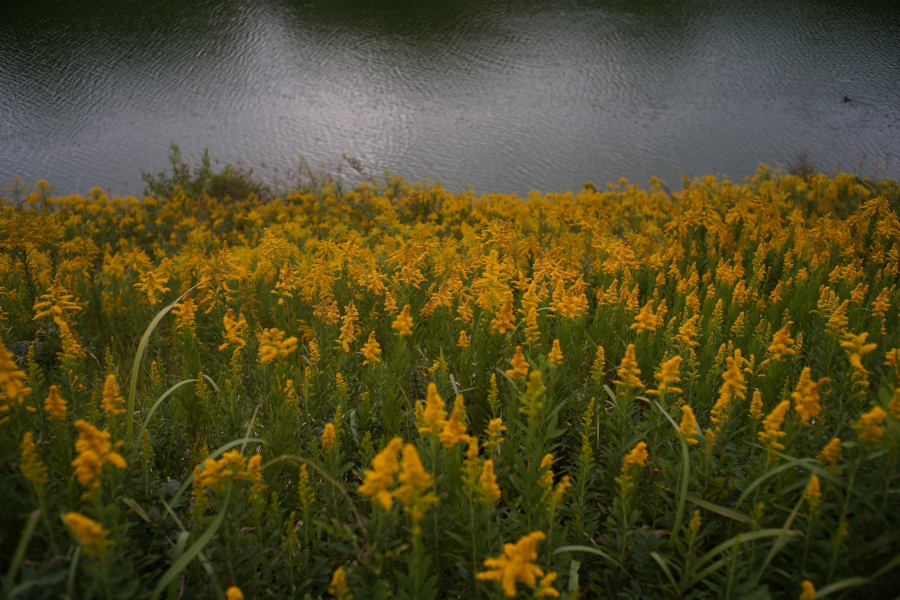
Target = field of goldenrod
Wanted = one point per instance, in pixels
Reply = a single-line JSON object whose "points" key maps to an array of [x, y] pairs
{"points": [[396, 391]]}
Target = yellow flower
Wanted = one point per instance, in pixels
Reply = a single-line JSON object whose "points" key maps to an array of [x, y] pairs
{"points": [[629, 373], [151, 284], [831, 454], [598, 369], [31, 466], [688, 426], [732, 385], [856, 347], [504, 321], [668, 374], [688, 331], [112, 402], [492, 433], [772, 428], [234, 593], [515, 565], [433, 418], [519, 365], [868, 428], [328, 438], [463, 340], [381, 476], [94, 451], [546, 480], [14, 393], [454, 430], [338, 587], [371, 349], [272, 345], [637, 457], [348, 329], [545, 588], [694, 525], [882, 304], [813, 495], [894, 406], [490, 491], [782, 343], [809, 590], [403, 323], [756, 406], [415, 485], [92, 535], [305, 492], [234, 330], [806, 396], [55, 405], [556, 355], [186, 312]]}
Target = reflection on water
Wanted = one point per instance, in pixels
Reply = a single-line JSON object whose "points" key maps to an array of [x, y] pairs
{"points": [[505, 95]]}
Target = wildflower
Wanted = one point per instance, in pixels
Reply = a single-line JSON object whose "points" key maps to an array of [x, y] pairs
{"points": [[894, 406], [55, 405], [806, 396], [415, 485], [94, 451], [809, 590], [454, 430], [782, 343], [546, 480], [328, 438], [492, 433], [732, 385], [305, 493], [31, 466], [694, 525], [813, 495], [490, 491], [599, 367], [882, 303], [433, 417], [504, 321], [838, 320], [545, 587], [403, 323], [515, 565], [831, 454], [772, 428], [14, 393], [91, 534], [339, 382], [756, 405], [629, 372], [272, 345], [234, 330], [531, 404], [868, 428], [688, 426], [371, 350], [556, 355], [519, 365], [856, 347], [185, 312], [112, 402], [348, 328], [381, 476], [151, 284], [644, 320], [637, 457], [463, 340], [234, 593], [668, 374], [338, 587], [687, 332]]}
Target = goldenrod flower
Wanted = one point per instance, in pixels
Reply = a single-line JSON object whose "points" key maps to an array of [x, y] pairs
{"points": [[629, 373], [234, 593], [348, 328], [831, 454], [515, 565], [772, 428], [91, 534], [112, 402], [415, 485], [454, 430], [894, 406], [31, 466], [882, 304], [338, 587], [328, 438], [519, 365], [492, 433], [838, 320], [892, 362], [381, 477], [694, 525], [94, 451], [234, 330], [556, 355], [545, 587], [152, 284], [868, 428], [14, 392], [687, 332], [546, 480], [185, 312], [433, 418], [504, 321], [806, 396], [272, 345], [644, 320], [637, 457], [668, 375], [371, 349], [403, 323], [782, 343], [809, 590], [856, 347], [463, 340], [490, 491], [305, 492], [598, 369], [756, 406], [813, 495], [732, 385], [688, 426], [55, 405]]}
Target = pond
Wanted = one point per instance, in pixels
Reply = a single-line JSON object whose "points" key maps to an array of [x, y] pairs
{"points": [[503, 96]]}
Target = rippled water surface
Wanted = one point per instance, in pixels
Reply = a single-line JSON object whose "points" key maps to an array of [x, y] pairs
{"points": [[505, 96]]}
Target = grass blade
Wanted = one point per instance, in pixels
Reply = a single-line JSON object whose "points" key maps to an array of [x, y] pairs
{"points": [[20, 552], [685, 475], [156, 405], [587, 549]]}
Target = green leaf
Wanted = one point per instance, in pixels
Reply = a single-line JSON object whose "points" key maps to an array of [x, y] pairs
{"points": [[721, 510], [587, 549], [20, 553]]}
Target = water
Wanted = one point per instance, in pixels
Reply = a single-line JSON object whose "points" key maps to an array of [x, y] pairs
{"points": [[503, 96]]}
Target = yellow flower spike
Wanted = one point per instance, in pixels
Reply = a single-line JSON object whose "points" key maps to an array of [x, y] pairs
{"points": [[152, 284], [515, 565], [94, 451], [494, 429], [434, 416], [545, 588], [598, 369], [55, 405], [403, 323], [645, 320], [637, 457], [380, 478], [856, 347], [91, 534], [894, 406], [868, 428], [31, 466], [629, 373], [234, 593], [831, 454], [688, 427], [338, 587], [328, 438], [348, 329], [305, 493], [546, 480], [273, 345], [454, 430], [806, 396], [530, 400], [185, 313], [732, 385], [504, 321], [756, 406], [668, 375], [14, 392], [490, 491], [892, 362], [782, 343], [813, 495], [415, 485], [371, 350], [112, 402], [772, 428], [809, 590], [234, 330], [556, 355], [694, 525], [463, 340], [519, 365], [687, 332]]}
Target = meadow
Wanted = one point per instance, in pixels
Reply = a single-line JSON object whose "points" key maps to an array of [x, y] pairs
{"points": [[392, 390]]}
